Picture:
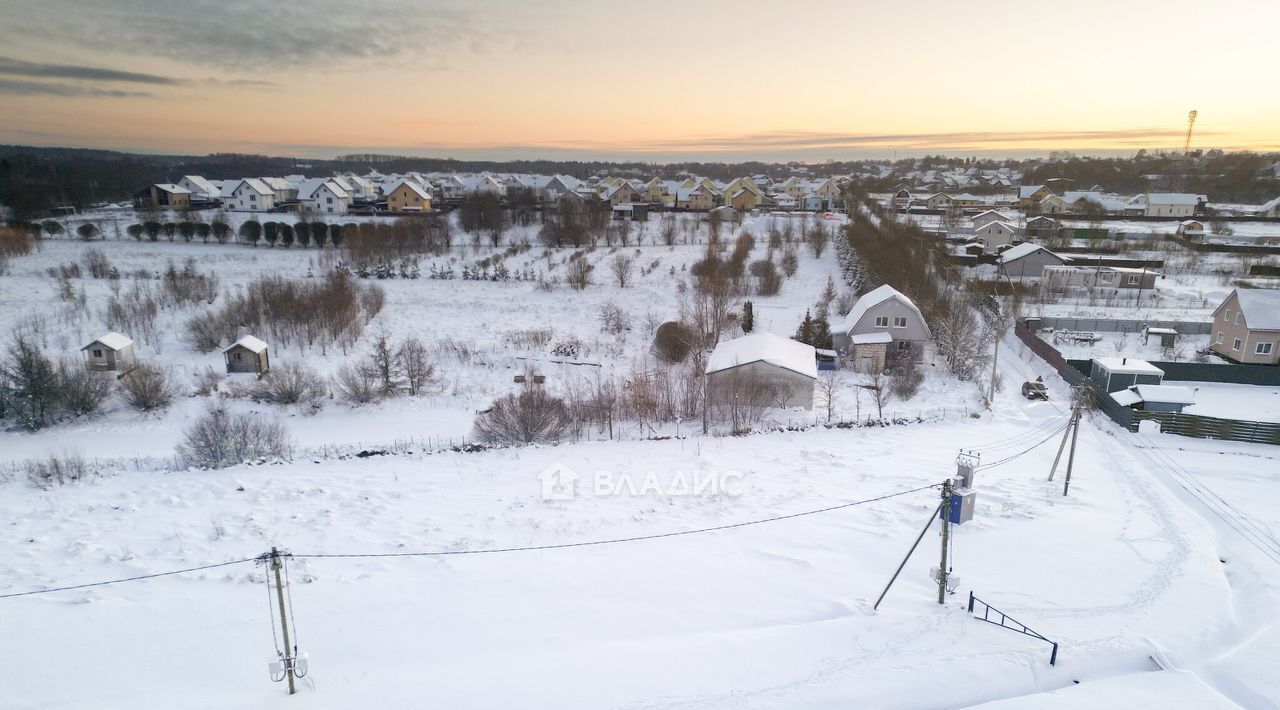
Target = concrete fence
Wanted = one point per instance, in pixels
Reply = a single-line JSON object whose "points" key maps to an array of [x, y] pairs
{"points": [[1113, 325]]}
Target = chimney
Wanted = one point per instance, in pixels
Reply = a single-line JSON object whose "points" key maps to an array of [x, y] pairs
{"points": [[1124, 360]]}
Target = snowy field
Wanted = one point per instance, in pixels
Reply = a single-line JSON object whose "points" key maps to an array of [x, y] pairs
{"points": [[477, 329], [1159, 575], [1128, 574]]}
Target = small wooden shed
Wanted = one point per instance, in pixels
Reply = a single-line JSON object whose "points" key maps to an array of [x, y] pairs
{"points": [[248, 354], [112, 352]]}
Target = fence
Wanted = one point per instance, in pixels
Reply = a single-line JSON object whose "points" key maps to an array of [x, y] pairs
{"points": [[1202, 427], [1265, 375], [1116, 325], [1008, 622], [1049, 354]]}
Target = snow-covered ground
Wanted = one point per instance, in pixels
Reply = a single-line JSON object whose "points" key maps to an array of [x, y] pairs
{"points": [[1232, 401], [1127, 568]]}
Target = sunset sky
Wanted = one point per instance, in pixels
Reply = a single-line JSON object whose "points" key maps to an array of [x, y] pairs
{"points": [[650, 80]]}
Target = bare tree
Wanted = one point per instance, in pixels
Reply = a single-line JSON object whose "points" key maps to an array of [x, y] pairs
{"points": [[290, 384], [384, 365], [623, 266], [530, 417], [828, 390], [579, 276], [415, 366], [878, 386]]}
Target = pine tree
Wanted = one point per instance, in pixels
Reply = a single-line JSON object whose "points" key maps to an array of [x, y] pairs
{"points": [[805, 333], [748, 317]]}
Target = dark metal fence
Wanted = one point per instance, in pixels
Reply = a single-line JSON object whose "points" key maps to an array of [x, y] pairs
{"points": [[1202, 427], [1007, 622]]}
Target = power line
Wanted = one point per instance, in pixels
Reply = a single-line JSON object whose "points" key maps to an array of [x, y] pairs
{"points": [[613, 541], [434, 553], [1019, 439], [140, 577], [1062, 427]]}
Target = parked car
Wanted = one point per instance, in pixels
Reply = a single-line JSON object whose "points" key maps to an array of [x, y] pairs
{"points": [[1035, 390]]}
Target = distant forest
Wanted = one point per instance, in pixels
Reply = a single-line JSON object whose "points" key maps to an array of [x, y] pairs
{"points": [[34, 179]]}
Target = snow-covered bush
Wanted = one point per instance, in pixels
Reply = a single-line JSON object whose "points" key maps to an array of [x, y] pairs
{"points": [[55, 471], [355, 384], [221, 438], [290, 384], [530, 417], [82, 391], [148, 388]]}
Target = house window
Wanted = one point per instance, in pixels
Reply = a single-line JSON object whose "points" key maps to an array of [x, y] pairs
{"points": [[1221, 337], [1235, 345], [1133, 279], [253, 198], [1239, 317], [1226, 314], [236, 356], [882, 321], [328, 200], [899, 322], [1262, 349], [904, 345], [98, 353]]}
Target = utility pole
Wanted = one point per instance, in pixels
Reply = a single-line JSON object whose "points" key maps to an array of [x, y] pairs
{"points": [[946, 540], [1078, 395], [914, 545], [284, 621], [1071, 457]]}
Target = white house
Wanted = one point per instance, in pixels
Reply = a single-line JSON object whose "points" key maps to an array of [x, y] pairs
{"points": [[284, 190], [252, 194], [484, 183], [201, 190], [996, 234], [990, 216], [885, 311], [113, 351], [1172, 204], [324, 196]]}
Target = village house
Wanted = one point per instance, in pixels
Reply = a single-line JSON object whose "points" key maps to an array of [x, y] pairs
{"points": [[695, 199], [248, 354], [621, 194], [284, 190], [1030, 196], [324, 197], [201, 190], [937, 201], [1246, 327], [996, 234], [112, 352], [253, 195], [162, 195], [408, 196], [1192, 229], [1080, 276], [880, 312], [1042, 226], [763, 369], [990, 216], [1027, 261], [1172, 204]]}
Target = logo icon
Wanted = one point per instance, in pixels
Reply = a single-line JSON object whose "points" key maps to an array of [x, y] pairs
{"points": [[559, 482]]}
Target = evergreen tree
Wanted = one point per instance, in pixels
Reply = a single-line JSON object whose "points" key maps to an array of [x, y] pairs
{"points": [[804, 333], [748, 317]]}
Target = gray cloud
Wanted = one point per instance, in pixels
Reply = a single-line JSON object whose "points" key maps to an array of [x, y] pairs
{"points": [[19, 67], [263, 36], [15, 87]]}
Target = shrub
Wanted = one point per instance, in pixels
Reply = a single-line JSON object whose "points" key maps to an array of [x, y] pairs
{"points": [[905, 376], [768, 281], [530, 417], [97, 263], [221, 438], [579, 276], [55, 471], [355, 384], [82, 390], [290, 384], [147, 388], [613, 319], [673, 341]]}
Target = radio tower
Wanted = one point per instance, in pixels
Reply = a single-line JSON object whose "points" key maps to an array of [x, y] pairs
{"points": [[1191, 122]]}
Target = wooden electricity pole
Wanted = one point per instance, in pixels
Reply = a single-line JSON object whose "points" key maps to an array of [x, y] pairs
{"points": [[284, 621], [1071, 457], [946, 539]]}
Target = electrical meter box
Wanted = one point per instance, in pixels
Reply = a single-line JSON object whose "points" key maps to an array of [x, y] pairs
{"points": [[962, 502]]}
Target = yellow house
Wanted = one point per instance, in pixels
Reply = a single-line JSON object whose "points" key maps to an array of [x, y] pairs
{"points": [[743, 199], [408, 196]]}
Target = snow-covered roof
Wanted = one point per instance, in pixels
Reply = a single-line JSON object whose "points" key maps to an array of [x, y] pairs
{"points": [[764, 347], [256, 185], [1261, 307], [1128, 366], [1003, 225], [1162, 331], [1269, 205], [276, 183], [173, 189], [204, 185], [412, 185], [880, 336], [1026, 191], [872, 299], [1024, 249], [1168, 394], [249, 343], [112, 341], [1172, 198]]}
